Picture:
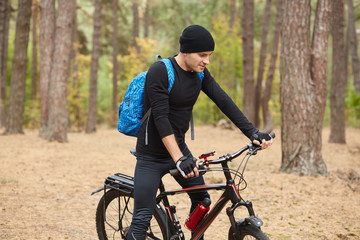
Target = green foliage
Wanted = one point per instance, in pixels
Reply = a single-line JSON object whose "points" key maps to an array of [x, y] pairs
{"points": [[136, 62], [78, 92], [104, 90], [352, 107], [226, 68]]}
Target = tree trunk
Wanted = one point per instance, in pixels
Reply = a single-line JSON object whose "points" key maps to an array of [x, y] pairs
{"points": [[298, 90], [319, 75], [34, 72], [232, 13], [339, 75], [58, 111], [248, 59], [147, 19], [19, 66], [115, 64], [261, 68], [268, 121], [135, 8], [75, 73], [92, 110], [353, 45], [47, 41], [5, 11]]}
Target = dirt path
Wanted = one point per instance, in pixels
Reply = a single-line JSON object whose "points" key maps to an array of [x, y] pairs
{"points": [[45, 187]]}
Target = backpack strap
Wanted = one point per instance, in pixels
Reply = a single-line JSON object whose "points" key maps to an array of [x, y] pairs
{"points": [[171, 77], [170, 72]]}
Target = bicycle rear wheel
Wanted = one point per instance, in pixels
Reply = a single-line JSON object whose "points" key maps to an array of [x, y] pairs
{"points": [[114, 215], [247, 232]]}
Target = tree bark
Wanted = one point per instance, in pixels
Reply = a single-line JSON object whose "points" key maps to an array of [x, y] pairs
{"points": [[135, 8], [248, 59], [232, 13], [115, 64], [298, 89], [5, 11], [92, 110], [353, 45], [34, 65], [268, 120], [58, 110], [147, 19], [75, 73], [19, 66], [319, 75], [339, 75], [47, 41], [263, 48]]}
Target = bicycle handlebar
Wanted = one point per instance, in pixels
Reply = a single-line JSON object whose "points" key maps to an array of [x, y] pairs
{"points": [[228, 157]]}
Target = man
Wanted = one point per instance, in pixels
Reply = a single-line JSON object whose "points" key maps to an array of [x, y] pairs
{"points": [[165, 129]]}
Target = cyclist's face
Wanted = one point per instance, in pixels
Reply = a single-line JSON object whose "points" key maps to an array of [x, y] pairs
{"points": [[197, 62]]}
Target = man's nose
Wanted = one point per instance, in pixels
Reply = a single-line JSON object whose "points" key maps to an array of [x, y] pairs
{"points": [[207, 60]]}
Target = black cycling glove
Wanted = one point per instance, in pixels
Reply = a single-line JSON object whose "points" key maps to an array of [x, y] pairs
{"points": [[259, 136], [186, 165]]}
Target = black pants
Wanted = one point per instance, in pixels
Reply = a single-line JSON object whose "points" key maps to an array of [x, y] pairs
{"points": [[148, 173]]}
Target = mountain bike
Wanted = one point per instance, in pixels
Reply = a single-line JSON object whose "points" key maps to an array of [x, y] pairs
{"points": [[114, 210]]}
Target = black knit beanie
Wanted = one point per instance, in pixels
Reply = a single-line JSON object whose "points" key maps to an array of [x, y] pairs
{"points": [[196, 38]]}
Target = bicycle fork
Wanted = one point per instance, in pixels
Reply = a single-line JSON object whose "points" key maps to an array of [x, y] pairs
{"points": [[252, 219]]}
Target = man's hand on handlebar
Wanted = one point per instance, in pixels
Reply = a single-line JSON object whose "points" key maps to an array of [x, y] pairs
{"points": [[187, 166], [262, 139]]}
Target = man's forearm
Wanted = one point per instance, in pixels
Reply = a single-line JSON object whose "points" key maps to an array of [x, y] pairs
{"points": [[172, 147]]}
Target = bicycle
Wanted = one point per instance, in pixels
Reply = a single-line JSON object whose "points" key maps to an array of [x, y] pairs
{"points": [[114, 211]]}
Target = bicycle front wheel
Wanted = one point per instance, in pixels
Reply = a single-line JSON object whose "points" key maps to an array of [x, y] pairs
{"points": [[247, 232], [114, 215]]}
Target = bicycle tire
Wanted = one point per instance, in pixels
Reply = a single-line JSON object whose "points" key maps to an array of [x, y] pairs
{"points": [[247, 232], [114, 207]]}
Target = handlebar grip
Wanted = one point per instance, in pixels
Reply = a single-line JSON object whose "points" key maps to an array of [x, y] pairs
{"points": [[174, 172], [272, 135]]}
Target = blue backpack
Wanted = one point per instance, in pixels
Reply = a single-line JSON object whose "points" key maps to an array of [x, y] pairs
{"points": [[131, 109]]}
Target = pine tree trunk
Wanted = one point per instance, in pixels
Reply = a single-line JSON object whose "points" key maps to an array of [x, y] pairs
{"points": [[339, 75], [135, 8], [353, 46], [268, 121], [261, 68], [75, 73], [299, 130], [232, 13], [115, 64], [319, 75], [147, 19], [5, 9], [19, 66], [248, 60], [47, 42], [58, 109], [34, 72], [92, 110]]}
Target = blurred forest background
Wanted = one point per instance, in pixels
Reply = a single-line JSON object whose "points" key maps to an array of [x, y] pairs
{"points": [[65, 65]]}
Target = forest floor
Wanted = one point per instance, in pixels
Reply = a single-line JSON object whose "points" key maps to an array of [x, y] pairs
{"points": [[45, 186]]}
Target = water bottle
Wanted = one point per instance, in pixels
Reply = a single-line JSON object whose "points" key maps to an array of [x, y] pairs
{"points": [[198, 214]]}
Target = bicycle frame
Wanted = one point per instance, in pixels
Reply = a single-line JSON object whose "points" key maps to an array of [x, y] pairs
{"points": [[230, 194]]}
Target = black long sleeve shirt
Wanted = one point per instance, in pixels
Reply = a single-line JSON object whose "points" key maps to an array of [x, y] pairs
{"points": [[171, 112]]}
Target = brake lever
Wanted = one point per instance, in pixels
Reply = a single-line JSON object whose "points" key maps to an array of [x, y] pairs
{"points": [[253, 148]]}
